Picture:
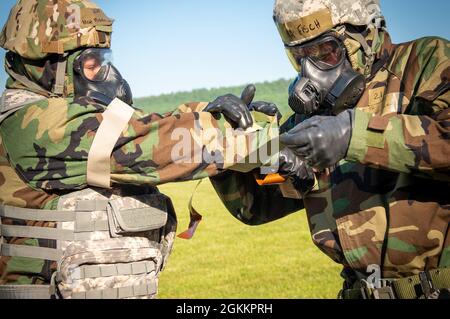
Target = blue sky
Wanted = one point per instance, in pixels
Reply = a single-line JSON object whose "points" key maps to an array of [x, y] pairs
{"points": [[177, 45]]}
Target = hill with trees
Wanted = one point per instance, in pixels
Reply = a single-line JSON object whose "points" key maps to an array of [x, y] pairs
{"points": [[276, 92]]}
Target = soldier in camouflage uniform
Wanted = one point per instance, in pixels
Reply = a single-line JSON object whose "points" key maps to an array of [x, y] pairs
{"points": [[372, 121], [80, 214]]}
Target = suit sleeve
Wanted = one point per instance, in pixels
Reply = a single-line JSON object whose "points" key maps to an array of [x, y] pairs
{"points": [[250, 203], [415, 143], [56, 136], [187, 145]]}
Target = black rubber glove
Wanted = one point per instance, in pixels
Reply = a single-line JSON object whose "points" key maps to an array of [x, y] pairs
{"points": [[293, 166], [321, 140], [267, 108], [237, 110]]}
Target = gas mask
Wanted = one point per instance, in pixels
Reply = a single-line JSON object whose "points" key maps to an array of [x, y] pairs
{"points": [[95, 77], [327, 83]]}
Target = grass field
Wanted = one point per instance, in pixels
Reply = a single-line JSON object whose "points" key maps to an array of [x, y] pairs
{"points": [[227, 259]]}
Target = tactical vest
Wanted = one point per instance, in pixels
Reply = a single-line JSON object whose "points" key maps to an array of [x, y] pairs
{"points": [[108, 246]]}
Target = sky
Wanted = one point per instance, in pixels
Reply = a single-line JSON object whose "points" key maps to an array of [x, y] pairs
{"points": [[179, 45]]}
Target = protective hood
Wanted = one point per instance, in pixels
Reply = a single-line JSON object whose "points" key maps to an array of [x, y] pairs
{"points": [[39, 76], [368, 50]]}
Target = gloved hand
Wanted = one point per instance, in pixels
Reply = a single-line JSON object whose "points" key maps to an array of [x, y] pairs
{"points": [[293, 166], [237, 110], [321, 140], [267, 108]]}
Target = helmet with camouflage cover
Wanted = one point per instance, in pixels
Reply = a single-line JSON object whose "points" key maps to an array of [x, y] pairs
{"points": [[299, 21], [36, 29], [43, 37]]}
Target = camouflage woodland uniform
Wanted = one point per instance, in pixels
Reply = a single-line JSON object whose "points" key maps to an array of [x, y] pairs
{"points": [[387, 204], [45, 141]]}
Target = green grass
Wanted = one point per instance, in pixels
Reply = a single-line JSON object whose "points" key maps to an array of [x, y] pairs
{"points": [[227, 259]]}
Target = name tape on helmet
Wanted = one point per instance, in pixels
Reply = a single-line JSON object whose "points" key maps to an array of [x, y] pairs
{"points": [[306, 27], [94, 16]]}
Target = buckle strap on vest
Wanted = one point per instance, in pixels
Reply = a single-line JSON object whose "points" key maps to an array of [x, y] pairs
{"points": [[82, 218], [148, 289], [93, 271], [36, 214], [30, 252], [132, 220], [51, 233], [37, 232], [406, 288], [26, 292], [52, 215]]}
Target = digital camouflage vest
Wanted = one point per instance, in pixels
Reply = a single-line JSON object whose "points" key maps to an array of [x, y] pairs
{"points": [[104, 245]]}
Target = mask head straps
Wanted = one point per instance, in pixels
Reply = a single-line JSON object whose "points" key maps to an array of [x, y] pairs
{"points": [[58, 89]]}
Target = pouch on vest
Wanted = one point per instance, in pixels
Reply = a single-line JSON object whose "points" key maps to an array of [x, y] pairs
{"points": [[115, 268], [128, 216]]}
